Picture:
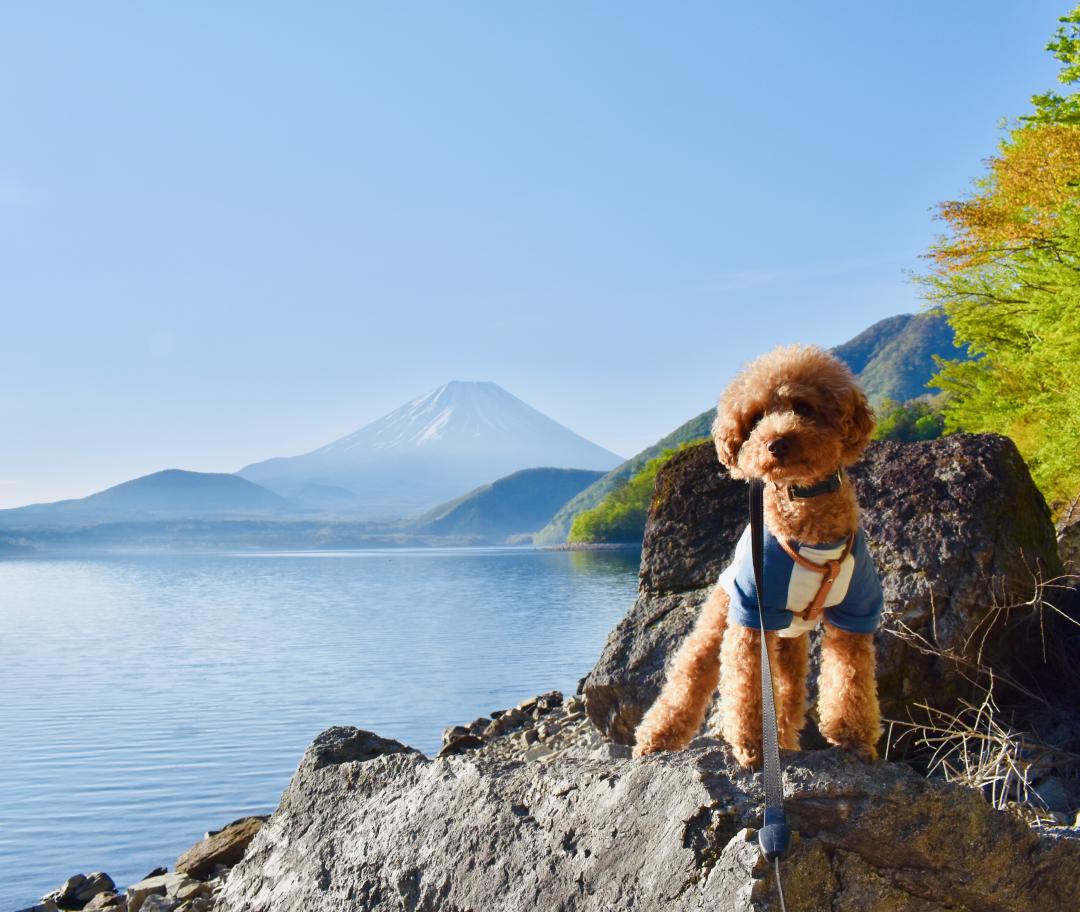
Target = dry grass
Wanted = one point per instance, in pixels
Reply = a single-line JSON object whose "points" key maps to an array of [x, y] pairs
{"points": [[975, 747], [980, 743]]}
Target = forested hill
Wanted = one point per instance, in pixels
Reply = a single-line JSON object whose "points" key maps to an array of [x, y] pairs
{"points": [[519, 503], [556, 531], [894, 358]]}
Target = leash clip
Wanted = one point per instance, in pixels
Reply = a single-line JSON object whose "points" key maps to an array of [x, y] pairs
{"points": [[774, 838]]}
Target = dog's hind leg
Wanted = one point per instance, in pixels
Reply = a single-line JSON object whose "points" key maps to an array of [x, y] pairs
{"points": [[678, 712], [847, 703], [790, 662]]}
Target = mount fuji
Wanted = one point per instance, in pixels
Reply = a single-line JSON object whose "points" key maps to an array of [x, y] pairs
{"points": [[427, 451]]}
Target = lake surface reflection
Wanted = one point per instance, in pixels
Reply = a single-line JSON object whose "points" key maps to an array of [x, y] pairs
{"points": [[144, 700]]}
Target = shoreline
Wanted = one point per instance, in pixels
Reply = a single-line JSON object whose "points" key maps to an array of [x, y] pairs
{"points": [[591, 546], [538, 729]]}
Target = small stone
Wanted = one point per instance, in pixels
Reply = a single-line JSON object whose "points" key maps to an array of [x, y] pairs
{"points": [[550, 700], [160, 885], [453, 733], [493, 730], [575, 705], [193, 889], [98, 882], [65, 895], [461, 744], [477, 726], [157, 872], [226, 847], [498, 714], [529, 736], [527, 705], [107, 900], [155, 903]]}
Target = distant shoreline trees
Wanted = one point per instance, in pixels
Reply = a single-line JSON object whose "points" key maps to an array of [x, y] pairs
{"points": [[620, 516]]}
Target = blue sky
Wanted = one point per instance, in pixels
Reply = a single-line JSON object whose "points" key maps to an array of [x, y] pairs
{"points": [[235, 231]]}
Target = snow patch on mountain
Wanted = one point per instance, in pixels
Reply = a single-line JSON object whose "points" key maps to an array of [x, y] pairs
{"points": [[436, 447]]}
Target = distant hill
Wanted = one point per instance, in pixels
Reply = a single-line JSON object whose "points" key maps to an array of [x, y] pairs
{"points": [[318, 498], [171, 494], [519, 503], [450, 440], [892, 359], [556, 531]]}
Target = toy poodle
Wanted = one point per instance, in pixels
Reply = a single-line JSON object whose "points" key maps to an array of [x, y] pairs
{"points": [[794, 418]]}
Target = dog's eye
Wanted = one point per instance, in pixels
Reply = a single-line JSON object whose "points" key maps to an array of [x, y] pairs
{"points": [[752, 421], [802, 409]]}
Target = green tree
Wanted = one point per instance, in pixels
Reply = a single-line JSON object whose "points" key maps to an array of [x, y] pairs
{"points": [[1007, 274], [620, 517], [909, 421]]}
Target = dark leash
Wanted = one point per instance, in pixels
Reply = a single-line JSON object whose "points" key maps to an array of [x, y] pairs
{"points": [[774, 837]]}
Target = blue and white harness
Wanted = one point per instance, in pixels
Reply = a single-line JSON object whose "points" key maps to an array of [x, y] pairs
{"points": [[852, 601]]}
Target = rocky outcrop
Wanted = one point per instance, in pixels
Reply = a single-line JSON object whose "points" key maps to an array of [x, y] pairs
{"points": [[957, 529], [368, 825], [1068, 536]]}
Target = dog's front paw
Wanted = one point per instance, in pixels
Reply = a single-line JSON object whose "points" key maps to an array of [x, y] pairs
{"points": [[643, 749], [747, 755], [865, 752], [646, 743], [858, 749]]}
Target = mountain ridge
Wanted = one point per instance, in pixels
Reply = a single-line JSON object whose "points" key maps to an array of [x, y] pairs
{"points": [[517, 504], [168, 494]]}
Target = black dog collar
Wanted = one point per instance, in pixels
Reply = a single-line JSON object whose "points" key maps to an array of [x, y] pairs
{"points": [[827, 486]]}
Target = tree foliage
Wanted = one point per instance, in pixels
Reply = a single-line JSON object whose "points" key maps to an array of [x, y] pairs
{"points": [[620, 517], [1008, 277], [909, 422]]}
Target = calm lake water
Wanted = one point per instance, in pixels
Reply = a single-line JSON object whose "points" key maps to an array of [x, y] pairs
{"points": [[144, 700]]}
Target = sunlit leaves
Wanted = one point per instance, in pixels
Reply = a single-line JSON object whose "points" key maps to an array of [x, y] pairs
{"points": [[1008, 276]]}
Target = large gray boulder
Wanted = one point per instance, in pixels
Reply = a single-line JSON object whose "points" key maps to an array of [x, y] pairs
{"points": [[957, 529], [369, 825]]}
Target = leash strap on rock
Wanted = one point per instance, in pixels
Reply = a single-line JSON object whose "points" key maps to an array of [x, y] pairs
{"points": [[774, 835]]}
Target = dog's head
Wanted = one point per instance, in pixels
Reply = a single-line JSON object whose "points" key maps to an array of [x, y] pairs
{"points": [[792, 416]]}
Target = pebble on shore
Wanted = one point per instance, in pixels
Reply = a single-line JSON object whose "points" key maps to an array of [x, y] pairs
{"points": [[537, 729]]}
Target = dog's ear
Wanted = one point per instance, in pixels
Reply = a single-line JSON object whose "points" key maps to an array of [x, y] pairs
{"points": [[727, 435], [858, 424]]}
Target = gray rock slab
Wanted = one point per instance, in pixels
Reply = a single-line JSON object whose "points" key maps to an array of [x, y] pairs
{"points": [[669, 832]]}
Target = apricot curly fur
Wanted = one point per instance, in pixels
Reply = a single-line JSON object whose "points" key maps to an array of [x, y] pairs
{"points": [[808, 397], [677, 714]]}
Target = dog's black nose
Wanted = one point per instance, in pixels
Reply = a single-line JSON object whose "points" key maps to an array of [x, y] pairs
{"points": [[779, 447]]}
